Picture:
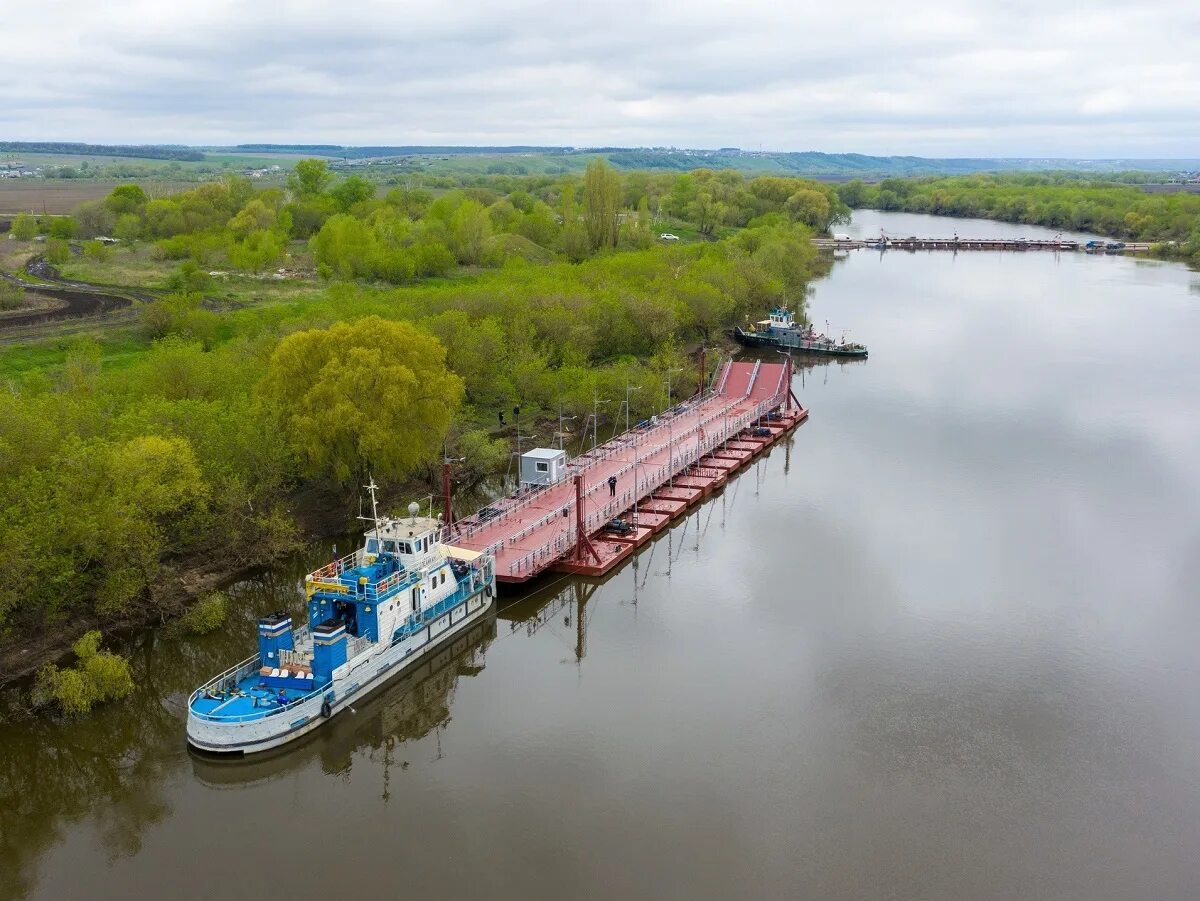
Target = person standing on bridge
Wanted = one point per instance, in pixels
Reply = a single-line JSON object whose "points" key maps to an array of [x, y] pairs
{"points": [[612, 486]]}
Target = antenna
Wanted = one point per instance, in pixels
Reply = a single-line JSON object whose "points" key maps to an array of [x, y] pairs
{"points": [[372, 487]]}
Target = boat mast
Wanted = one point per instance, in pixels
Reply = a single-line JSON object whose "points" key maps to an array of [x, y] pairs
{"points": [[374, 508]]}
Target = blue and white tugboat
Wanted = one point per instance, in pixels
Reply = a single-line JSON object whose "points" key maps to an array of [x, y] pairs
{"points": [[782, 331], [370, 616]]}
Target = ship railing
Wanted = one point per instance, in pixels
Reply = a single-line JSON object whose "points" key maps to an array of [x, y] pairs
{"points": [[659, 474], [392, 585], [237, 672], [254, 717], [416, 621], [331, 571]]}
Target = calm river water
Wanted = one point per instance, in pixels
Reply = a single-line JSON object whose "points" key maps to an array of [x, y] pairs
{"points": [[943, 644]]}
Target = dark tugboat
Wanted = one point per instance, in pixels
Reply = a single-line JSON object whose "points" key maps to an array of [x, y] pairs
{"points": [[782, 331]]}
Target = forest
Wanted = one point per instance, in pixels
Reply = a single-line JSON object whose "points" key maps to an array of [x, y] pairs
{"points": [[197, 441], [1064, 201]]}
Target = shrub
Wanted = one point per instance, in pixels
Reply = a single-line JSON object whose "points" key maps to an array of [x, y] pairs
{"points": [[62, 227], [97, 251], [11, 297], [98, 676], [57, 251]]}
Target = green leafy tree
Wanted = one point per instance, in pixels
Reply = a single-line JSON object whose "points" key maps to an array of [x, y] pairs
{"points": [[254, 216], [24, 227], [128, 228], [371, 396], [310, 178], [351, 191], [601, 204], [62, 227], [470, 227], [93, 219], [574, 236], [126, 199]]}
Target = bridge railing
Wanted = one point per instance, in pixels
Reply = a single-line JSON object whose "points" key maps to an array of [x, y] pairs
{"points": [[649, 481], [510, 506]]}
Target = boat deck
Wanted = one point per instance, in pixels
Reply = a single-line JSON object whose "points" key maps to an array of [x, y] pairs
{"points": [[248, 701]]}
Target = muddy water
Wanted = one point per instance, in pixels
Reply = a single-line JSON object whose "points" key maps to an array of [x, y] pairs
{"points": [[942, 644]]}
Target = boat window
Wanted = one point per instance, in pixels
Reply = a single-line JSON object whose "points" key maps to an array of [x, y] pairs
{"points": [[543, 466], [443, 582], [372, 546], [416, 599], [404, 548], [390, 547]]}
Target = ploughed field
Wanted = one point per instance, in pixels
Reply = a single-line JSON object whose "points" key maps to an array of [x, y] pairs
{"points": [[60, 196]]}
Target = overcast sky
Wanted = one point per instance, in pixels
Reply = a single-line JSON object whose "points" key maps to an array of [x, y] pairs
{"points": [[966, 78]]}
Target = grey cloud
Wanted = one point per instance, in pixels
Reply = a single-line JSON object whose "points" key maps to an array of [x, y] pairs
{"points": [[966, 78]]}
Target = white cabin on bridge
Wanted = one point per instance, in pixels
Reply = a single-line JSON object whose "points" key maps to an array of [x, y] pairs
{"points": [[543, 466]]}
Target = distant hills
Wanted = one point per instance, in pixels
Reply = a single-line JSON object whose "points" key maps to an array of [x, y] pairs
{"points": [[533, 158], [142, 151], [808, 163]]}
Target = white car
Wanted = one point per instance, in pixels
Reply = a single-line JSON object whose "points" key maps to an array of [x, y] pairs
{"points": [[666, 236]]}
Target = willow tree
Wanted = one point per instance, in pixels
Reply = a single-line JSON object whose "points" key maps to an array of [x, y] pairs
{"points": [[366, 396], [601, 204]]}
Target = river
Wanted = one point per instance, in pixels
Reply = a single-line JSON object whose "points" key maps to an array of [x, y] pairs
{"points": [[940, 644]]}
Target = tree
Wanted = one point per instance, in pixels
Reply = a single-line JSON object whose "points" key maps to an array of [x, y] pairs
{"points": [[62, 227], [128, 228], [470, 227], [369, 397], [254, 216], [853, 193], [57, 251], [126, 199], [574, 238], [352, 190], [811, 208], [310, 178], [93, 219], [24, 227], [706, 212], [601, 204]]}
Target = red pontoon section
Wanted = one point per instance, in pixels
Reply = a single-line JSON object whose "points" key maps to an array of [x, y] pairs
{"points": [[662, 469]]}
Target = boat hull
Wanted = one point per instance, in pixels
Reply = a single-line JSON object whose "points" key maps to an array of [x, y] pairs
{"points": [[210, 735], [751, 339]]}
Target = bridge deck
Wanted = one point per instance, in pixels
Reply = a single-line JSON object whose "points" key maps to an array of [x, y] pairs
{"points": [[914, 243], [535, 529]]}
